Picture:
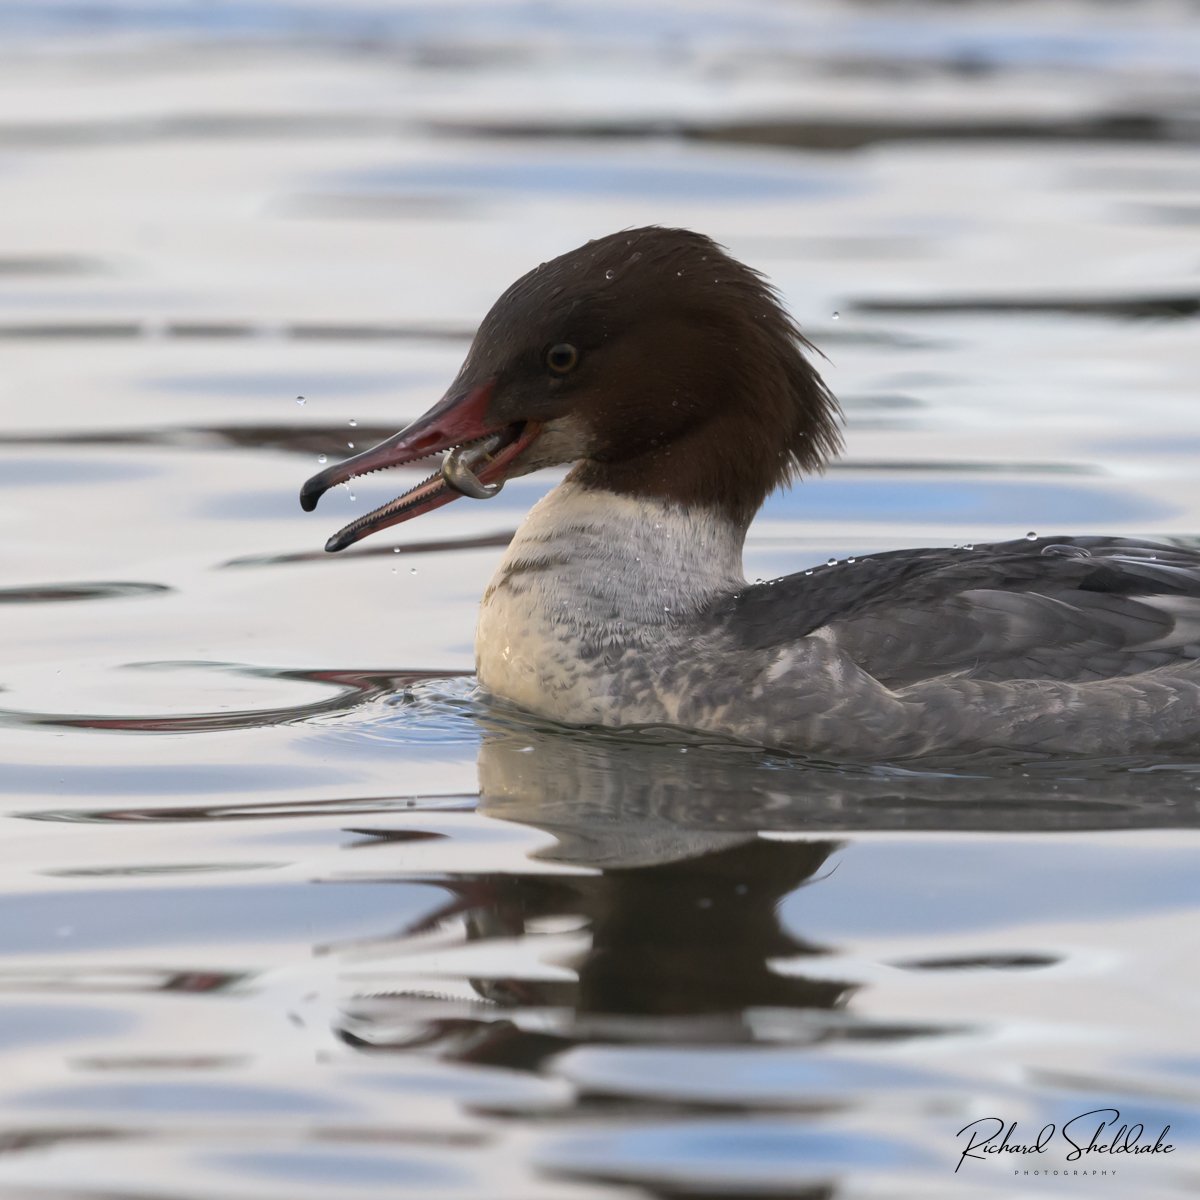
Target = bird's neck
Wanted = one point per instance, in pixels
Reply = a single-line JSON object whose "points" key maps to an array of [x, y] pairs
{"points": [[593, 558]]}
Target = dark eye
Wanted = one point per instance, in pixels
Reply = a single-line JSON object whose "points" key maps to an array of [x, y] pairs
{"points": [[562, 358]]}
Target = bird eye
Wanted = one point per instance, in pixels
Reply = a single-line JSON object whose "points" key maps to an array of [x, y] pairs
{"points": [[562, 358]]}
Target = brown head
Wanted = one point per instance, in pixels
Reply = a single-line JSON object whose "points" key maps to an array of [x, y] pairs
{"points": [[660, 365]]}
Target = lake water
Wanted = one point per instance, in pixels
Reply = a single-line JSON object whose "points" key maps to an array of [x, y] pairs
{"points": [[287, 911]]}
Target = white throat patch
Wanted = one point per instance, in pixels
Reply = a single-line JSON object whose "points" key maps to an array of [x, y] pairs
{"points": [[590, 569]]}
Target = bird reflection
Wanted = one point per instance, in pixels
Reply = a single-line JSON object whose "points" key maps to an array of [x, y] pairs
{"points": [[650, 921], [669, 866], [675, 904]]}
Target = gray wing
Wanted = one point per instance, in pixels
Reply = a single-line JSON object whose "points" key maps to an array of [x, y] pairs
{"points": [[1070, 609]]}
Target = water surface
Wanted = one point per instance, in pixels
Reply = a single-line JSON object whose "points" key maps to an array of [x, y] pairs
{"points": [[288, 910]]}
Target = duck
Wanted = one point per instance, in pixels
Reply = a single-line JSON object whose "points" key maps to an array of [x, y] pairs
{"points": [[671, 380]]}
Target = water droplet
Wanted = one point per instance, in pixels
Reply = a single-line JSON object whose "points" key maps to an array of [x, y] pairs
{"points": [[412, 570], [851, 559], [393, 570], [968, 545], [353, 497], [609, 274], [1031, 536], [832, 562], [808, 572], [322, 458], [395, 549], [300, 401], [350, 444], [837, 316], [353, 423]]}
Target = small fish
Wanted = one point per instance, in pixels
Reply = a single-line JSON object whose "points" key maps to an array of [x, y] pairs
{"points": [[458, 474]]}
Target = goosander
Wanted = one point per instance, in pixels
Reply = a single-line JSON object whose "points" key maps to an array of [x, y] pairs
{"points": [[672, 378]]}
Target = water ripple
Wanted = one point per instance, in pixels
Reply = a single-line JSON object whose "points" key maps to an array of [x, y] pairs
{"points": [[352, 689], [47, 593]]}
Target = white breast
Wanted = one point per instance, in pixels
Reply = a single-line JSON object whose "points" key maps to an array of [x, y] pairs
{"points": [[595, 588]]}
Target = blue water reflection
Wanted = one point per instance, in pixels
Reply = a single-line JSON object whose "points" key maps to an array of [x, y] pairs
{"points": [[289, 911]]}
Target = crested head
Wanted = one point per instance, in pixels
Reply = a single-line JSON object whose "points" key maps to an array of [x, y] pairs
{"points": [[651, 359], [690, 381]]}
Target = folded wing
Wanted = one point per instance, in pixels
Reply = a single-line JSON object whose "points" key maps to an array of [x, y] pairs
{"points": [[1068, 609]]}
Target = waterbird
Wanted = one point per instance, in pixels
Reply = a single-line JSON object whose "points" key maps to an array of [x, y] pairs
{"points": [[672, 380]]}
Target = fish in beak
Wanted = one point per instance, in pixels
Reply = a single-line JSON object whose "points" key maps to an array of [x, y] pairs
{"points": [[482, 452]]}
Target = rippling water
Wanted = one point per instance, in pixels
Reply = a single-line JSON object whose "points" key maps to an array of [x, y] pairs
{"points": [[288, 911]]}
